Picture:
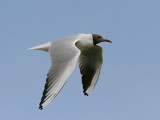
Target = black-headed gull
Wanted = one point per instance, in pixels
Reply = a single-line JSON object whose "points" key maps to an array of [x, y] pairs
{"points": [[64, 53]]}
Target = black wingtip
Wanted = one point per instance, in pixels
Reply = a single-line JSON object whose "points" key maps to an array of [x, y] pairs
{"points": [[84, 91], [86, 94], [40, 107]]}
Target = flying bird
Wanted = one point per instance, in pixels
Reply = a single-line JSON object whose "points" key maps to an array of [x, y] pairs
{"points": [[64, 53]]}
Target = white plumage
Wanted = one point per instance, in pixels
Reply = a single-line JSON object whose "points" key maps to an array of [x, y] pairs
{"points": [[64, 53]]}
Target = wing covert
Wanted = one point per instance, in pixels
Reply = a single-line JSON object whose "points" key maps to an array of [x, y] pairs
{"points": [[90, 62]]}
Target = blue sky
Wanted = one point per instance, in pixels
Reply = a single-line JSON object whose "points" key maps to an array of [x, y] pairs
{"points": [[128, 86]]}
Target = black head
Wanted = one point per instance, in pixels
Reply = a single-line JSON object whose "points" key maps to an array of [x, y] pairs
{"points": [[98, 38]]}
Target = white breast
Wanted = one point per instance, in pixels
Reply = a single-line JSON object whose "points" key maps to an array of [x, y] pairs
{"points": [[85, 42]]}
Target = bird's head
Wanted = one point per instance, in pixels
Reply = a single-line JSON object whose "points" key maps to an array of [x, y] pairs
{"points": [[98, 38]]}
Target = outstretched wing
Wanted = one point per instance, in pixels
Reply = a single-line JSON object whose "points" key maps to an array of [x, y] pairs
{"points": [[63, 56], [90, 62]]}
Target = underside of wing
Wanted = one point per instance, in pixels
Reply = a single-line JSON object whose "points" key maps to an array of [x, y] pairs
{"points": [[90, 62], [63, 59], [56, 78]]}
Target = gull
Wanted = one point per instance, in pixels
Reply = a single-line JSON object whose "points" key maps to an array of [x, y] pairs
{"points": [[64, 53]]}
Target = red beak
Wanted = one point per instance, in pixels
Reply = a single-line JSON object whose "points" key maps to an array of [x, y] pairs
{"points": [[106, 40]]}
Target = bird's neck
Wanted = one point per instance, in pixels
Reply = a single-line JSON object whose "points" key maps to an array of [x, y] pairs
{"points": [[85, 42]]}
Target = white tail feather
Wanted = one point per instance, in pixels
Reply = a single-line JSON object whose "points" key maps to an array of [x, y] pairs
{"points": [[43, 47]]}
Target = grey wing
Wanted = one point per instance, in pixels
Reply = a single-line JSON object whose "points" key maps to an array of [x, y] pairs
{"points": [[63, 63], [90, 62]]}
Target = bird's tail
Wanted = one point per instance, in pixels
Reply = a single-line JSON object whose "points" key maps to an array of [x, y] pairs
{"points": [[44, 47]]}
